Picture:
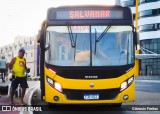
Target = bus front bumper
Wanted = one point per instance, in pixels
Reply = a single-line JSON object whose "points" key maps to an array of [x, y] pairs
{"points": [[68, 96]]}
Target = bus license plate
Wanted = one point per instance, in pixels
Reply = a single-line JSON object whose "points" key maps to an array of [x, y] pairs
{"points": [[91, 96]]}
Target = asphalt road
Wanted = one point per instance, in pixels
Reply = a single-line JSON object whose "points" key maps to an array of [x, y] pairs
{"points": [[147, 98], [147, 85]]}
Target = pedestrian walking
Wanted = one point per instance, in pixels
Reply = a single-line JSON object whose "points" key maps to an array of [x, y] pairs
{"points": [[18, 67], [3, 68]]}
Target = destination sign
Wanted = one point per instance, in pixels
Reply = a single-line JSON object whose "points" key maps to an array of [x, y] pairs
{"points": [[89, 14]]}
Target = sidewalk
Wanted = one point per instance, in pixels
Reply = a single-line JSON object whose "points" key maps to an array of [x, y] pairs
{"points": [[5, 99], [150, 79]]}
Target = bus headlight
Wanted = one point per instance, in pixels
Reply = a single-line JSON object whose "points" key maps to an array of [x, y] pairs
{"points": [[126, 83], [58, 86], [123, 86], [54, 84]]}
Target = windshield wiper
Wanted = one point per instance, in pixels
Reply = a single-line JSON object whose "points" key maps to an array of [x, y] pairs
{"points": [[100, 37], [72, 39], [102, 34]]}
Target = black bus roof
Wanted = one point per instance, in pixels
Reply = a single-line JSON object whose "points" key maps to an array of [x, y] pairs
{"points": [[89, 15]]}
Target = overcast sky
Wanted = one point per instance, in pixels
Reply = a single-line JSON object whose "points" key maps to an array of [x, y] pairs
{"points": [[24, 17]]}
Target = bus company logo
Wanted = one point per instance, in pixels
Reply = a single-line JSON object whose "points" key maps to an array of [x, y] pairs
{"points": [[91, 77], [6, 108], [91, 85]]}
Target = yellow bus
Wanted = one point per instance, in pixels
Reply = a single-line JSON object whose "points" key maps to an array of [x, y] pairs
{"points": [[87, 55]]}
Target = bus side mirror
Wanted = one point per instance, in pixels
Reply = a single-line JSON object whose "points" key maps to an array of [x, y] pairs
{"points": [[47, 46]]}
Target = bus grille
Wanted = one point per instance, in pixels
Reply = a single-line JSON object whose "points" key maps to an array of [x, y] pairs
{"points": [[106, 94], [80, 74]]}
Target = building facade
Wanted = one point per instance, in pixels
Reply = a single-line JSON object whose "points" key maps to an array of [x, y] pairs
{"points": [[30, 45], [149, 32]]}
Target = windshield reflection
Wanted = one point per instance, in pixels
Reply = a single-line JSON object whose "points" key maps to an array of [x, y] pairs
{"points": [[115, 48]]}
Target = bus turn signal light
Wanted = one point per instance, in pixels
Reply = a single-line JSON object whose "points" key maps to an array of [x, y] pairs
{"points": [[52, 71]]}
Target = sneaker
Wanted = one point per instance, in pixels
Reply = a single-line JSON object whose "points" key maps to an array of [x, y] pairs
{"points": [[23, 104]]}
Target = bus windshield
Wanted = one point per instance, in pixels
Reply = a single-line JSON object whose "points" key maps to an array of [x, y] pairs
{"points": [[89, 45]]}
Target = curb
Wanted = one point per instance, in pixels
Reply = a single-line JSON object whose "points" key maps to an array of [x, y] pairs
{"points": [[28, 97]]}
